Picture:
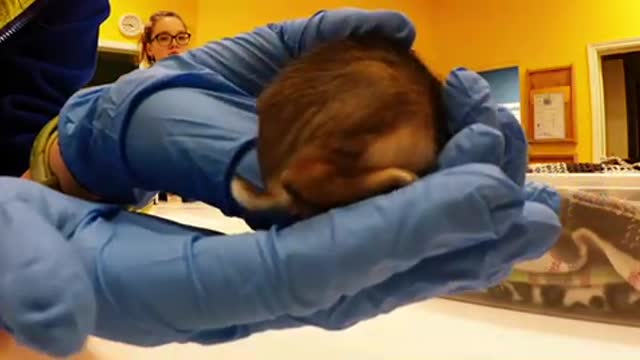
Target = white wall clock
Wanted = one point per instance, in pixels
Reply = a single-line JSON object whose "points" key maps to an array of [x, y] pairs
{"points": [[130, 25]]}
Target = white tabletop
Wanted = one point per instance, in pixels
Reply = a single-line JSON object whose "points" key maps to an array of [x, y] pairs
{"points": [[438, 329]]}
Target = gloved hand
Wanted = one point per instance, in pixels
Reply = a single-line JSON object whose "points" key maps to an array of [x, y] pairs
{"points": [[147, 281]]}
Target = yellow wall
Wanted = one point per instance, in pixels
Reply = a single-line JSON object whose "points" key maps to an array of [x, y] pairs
{"points": [[533, 34], [144, 8], [217, 19]]}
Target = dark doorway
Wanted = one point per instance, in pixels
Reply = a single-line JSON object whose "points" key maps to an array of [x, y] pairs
{"points": [[111, 66], [631, 67], [632, 81]]}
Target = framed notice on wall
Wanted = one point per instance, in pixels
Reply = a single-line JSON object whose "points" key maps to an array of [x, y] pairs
{"points": [[549, 115], [551, 106]]}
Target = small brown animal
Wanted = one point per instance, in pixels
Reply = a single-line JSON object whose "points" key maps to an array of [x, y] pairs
{"points": [[348, 120]]}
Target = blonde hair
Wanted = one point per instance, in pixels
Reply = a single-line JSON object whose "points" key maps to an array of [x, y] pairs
{"points": [[144, 60]]}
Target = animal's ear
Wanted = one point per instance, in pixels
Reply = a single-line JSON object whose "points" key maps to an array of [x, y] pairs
{"points": [[315, 181], [253, 199]]}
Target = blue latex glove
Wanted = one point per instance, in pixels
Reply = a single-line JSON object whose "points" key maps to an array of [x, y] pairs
{"points": [[147, 281]]}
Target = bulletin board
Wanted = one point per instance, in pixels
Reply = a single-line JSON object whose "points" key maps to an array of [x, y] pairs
{"points": [[551, 105]]}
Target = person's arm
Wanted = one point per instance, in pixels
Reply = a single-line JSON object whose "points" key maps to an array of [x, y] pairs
{"points": [[41, 66]]}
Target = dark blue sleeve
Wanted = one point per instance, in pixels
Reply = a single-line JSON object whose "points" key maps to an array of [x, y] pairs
{"points": [[41, 66]]}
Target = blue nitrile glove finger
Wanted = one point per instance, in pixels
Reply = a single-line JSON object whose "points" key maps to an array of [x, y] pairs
{"points": [[46, 298], [251, 60], [476, 143], [544, 194], [471, 108], [516, 158], [468, 99]]}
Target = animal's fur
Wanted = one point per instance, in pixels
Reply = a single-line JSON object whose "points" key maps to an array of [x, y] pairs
{"points": [[348, 120]]}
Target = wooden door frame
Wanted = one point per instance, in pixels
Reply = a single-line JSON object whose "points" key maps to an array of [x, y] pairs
{"points": [[595, 52]]}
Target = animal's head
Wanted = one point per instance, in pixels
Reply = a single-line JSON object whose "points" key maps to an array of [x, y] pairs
{"points": [[348, 107]]}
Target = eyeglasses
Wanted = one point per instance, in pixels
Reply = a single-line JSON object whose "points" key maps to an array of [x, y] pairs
{"points": [[165, 39]]}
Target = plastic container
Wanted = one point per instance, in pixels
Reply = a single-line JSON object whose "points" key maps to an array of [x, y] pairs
{"points": [[625, 186], [593, 272]]}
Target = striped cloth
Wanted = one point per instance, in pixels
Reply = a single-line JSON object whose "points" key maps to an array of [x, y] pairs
{"points": [[609, 165]]}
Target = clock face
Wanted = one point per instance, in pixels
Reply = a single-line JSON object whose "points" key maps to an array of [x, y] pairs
{"points": [[130, 25]]}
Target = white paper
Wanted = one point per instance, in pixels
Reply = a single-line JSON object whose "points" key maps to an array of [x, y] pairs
{"points": [[548, 115]]}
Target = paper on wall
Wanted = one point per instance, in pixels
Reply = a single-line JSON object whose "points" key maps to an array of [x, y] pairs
{"points": [[549, 116]]}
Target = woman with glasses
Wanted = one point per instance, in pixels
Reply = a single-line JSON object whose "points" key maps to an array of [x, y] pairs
{"points": [[165, 34]]}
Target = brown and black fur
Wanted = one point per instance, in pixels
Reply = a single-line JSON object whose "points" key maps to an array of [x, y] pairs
{"points": [[348, 120]]}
